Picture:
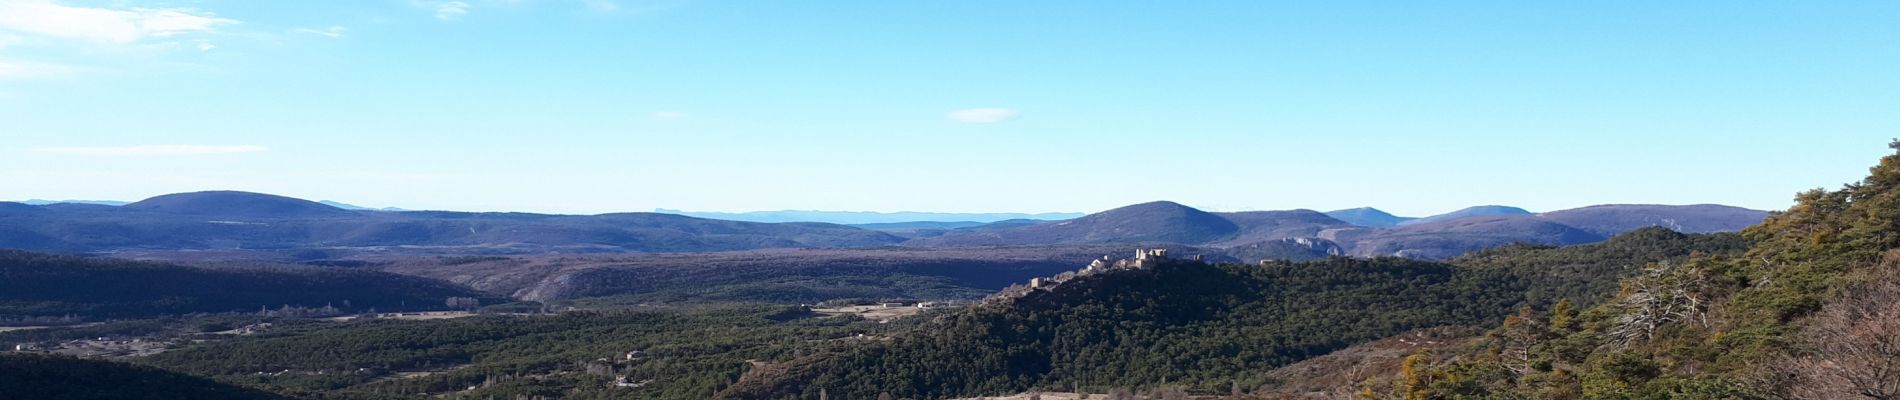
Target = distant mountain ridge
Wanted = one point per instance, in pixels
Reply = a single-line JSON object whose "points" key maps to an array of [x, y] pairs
{"points": [[866, 217], [1304, 234], [1450, 238], [1376, 218], [254, 222], [1610, 218], [227, 220]]}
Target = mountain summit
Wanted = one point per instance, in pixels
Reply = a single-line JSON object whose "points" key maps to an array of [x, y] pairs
{"points": [[237, 204], [1160, 221], [1467, 212]]}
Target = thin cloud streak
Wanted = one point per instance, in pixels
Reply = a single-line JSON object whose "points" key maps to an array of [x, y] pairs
{"points": [[988, 115], [444, 10], [151, 150], [333, 31]]}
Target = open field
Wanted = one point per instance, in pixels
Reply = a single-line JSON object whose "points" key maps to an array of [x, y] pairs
{"points": [[872, 312], [20, 328]]}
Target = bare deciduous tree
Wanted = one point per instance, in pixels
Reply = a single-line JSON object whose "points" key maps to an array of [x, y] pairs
{"points": [[1852, 347], [1663, 294]]}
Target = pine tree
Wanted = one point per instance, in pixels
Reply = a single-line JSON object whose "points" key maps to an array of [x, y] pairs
{"points": [[1415, 380]]}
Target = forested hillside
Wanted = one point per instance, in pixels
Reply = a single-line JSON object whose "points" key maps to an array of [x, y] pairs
{"points": [[1588, 273], [1811, 311], [1187, 323], [36, 285], [1211, 328]]}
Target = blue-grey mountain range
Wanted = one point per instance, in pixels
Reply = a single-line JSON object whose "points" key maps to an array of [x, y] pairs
{"points": [[254, 222]]}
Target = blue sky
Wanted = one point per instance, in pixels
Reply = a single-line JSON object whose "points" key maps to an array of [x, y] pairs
{"points": [[960, 106]]}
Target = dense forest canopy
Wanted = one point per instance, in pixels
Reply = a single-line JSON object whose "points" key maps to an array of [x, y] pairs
{"points": [[34, 285], [681, 353], [1587, 274], [28, 376]]}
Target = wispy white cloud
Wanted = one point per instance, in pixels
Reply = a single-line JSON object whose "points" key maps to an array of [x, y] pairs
{"points": [[988, 115], [444, 10], [49, 18], [451, 10], [669, 115], [333, 31], [151, 150]]}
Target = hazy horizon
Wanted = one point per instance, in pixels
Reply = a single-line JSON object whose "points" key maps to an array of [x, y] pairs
{"points": [[673, 210]]}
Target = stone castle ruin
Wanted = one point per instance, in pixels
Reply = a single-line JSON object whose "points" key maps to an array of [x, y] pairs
{"points": [[1143, 259]]}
